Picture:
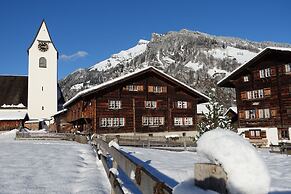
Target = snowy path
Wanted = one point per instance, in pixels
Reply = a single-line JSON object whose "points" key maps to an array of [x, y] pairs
{"points": [[49, 167], [180, 165]]}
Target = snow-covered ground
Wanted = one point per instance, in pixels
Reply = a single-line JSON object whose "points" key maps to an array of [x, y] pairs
{"points": [[49, 167], [179, 166]]}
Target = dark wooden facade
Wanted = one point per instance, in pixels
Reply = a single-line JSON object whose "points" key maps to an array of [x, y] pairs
{"points": [[6, 125], [263, 86], [88, 111]]}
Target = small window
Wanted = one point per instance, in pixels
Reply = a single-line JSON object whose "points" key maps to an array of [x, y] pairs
{"points": [[42, 62], [265, 73], [288, 68], [246, 78], [283, 134], [255, 134], [182, 104], [157, 89], [178, 121], [133, 88], [41, 88], [114, 104], [151, 104], [42, 108]]}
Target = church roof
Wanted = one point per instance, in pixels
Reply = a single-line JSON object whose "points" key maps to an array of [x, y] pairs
{"points": [[34, 39], [13, 93]]}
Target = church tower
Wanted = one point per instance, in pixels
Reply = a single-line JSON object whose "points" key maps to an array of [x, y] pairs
{"points": [[42, 75]]}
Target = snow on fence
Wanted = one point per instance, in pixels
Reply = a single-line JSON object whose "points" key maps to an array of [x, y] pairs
{"points": [[152, 141], [40, 135], [210, 177], [140, 177]]}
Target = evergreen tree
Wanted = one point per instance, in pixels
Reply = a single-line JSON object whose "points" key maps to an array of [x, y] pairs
{"points": [[214, 117]]}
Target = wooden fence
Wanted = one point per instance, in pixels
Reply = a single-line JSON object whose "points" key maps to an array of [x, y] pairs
{"points": [[151, 141], [144, 180], [51, 136]]}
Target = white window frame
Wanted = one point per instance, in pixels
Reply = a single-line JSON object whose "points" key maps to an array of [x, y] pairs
{"points": [[247, 114], [261, 93], [182, 104], [153, 121], [267, 113], [114, 104], [268, 72], [178, 121], [188, 121], [246, 78], [252, 114], [112, 122], [157, 89], [262, 73], [288, 68], [150, 104], [261, 113]]}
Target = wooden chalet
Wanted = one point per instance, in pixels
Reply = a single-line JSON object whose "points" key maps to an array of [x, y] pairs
{"points": [[13, 101], [263, 94], [144, 101]]}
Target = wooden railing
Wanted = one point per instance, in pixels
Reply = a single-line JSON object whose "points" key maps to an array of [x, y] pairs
{"points": [[151, 141], [143, 179]]}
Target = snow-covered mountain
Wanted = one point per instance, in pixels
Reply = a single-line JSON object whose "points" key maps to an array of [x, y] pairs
{"points": [[195, 58]]}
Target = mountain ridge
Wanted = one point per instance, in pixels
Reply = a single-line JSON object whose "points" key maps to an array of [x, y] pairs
{"points": [[198, 59]]}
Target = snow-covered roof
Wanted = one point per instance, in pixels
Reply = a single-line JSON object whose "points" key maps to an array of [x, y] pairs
{"points": [[20, 105], [7, 115], [201, 108], [61, 111], [124, 77], [224, 81], [233, 108]]}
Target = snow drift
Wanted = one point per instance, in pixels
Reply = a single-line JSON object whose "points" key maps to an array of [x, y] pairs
{"points": [[246, 171]]}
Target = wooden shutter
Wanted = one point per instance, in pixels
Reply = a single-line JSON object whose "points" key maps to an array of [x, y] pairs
{"points": [[140, 88], [164, 89], [267, 91], [273, 71], [247, 134], [243, 95], [150, 88], [257, 113], [263, 134], [242, 114], [273, 112]]}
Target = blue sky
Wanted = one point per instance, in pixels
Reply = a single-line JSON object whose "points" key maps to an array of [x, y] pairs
{"points": [[91, 30]]}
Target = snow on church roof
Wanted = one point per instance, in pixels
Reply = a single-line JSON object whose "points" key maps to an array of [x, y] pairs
{"points": [[224, 81], [7, 115], [111, 82]]}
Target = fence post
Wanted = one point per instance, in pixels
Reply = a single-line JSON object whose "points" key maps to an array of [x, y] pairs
{"points": [[210, 177]]}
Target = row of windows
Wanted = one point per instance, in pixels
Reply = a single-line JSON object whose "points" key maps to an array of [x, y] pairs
{"points": [[183, 121], [265, 73], [283, 134], [116, 104], [153, 121], [255, 94], [112, 122], [146, 121], [257, 114], [140, 88]]}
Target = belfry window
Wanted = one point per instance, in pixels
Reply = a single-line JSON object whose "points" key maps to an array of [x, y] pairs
{"points": [[42, 62]]}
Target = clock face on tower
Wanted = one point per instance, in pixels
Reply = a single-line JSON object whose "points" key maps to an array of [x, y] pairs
{"points": [[42, 46]]}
